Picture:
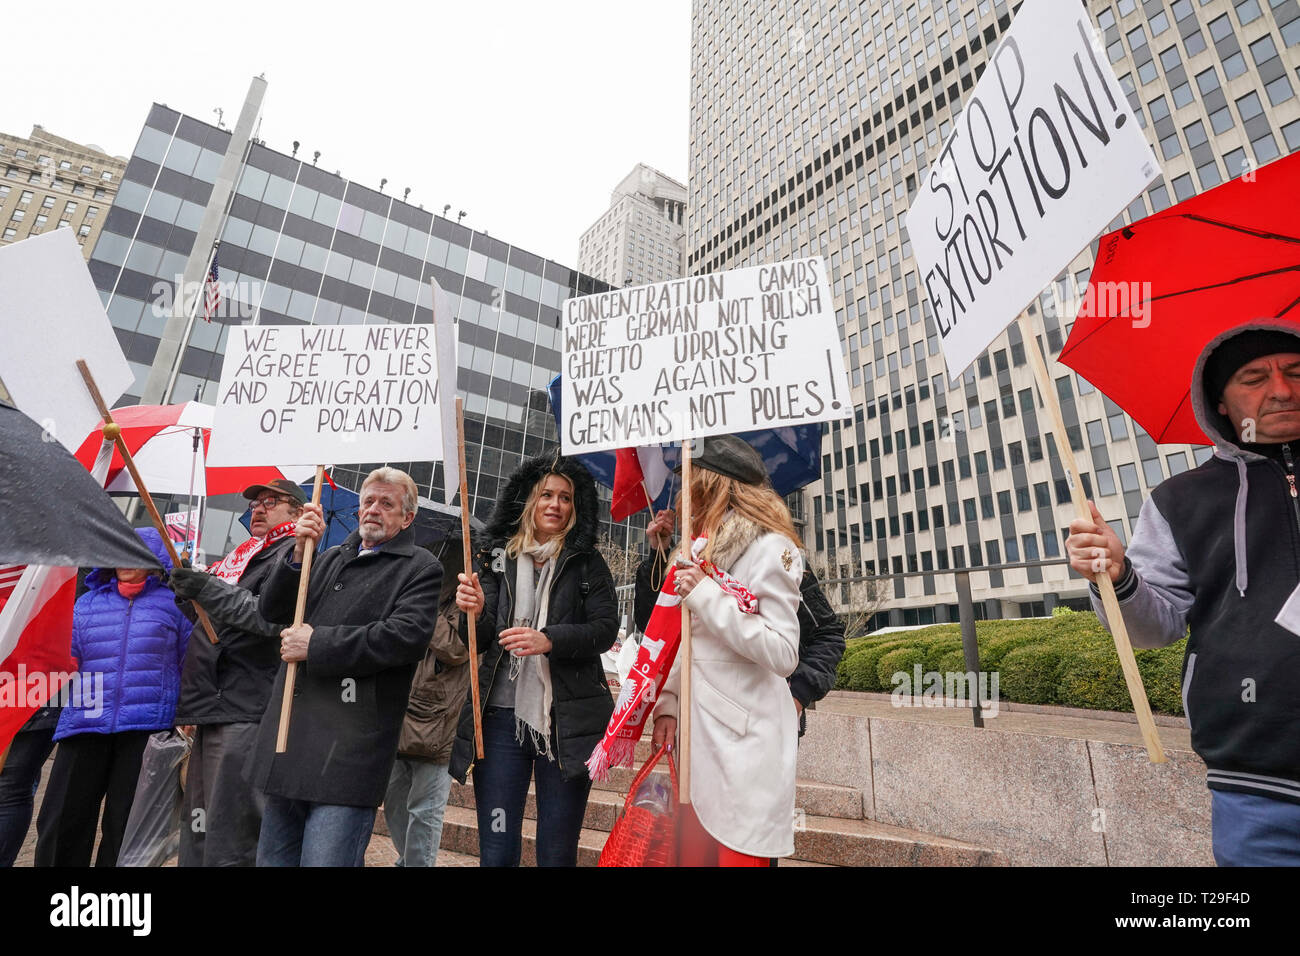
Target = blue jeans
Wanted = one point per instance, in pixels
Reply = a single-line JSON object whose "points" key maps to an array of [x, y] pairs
{"points": [[1250, 830], [501, 789], [417, 795], [298, 833], [18, 784]]}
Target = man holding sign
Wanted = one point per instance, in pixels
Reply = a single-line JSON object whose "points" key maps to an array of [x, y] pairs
{"points": [[371, 607]]}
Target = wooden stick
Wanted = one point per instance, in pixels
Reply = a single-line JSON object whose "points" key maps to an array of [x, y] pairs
{"points": [[684, 697], [299, 612], [469, 571], [1114, 617], [111, 430]]}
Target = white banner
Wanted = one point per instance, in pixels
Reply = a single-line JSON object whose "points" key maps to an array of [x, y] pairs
{"points": [[707, 355], [327, 394], [444, 327], [1045, 154]]}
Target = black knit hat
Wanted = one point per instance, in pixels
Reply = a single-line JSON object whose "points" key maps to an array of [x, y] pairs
{"points": [[1235, 352]]}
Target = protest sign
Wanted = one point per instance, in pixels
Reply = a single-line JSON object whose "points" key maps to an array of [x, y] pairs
{"points": [[51, 316], [307, 394], [444, 330], [706, 355], [1045, 154]]}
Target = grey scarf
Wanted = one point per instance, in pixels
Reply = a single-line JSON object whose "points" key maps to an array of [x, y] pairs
{"points": [[532, 674]]}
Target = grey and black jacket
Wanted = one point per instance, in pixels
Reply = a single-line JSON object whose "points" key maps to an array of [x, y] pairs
{"points": [[1216, 551]]}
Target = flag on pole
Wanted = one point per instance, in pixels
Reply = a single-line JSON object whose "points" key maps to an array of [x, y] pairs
{"points": [[211, 291], [36, 632], [444, 336], [639, 477]]}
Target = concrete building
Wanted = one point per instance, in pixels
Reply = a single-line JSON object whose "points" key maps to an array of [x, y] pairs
{"points": [[641, 238], [811, 124], [50, 182], [302, 245]]}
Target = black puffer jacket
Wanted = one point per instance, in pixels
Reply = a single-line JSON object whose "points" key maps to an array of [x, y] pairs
{"points": [[582, 620]]}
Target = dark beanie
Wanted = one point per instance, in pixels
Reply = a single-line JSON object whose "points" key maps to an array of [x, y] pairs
{"points": [[1235, 352]]}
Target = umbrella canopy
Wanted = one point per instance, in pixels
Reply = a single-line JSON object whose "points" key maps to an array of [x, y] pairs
{"points": [[161, 440], [1166, 286], [793, 454], [53, 511]]}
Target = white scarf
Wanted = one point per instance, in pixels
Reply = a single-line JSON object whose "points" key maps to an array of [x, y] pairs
{"points": [[532, 673]]}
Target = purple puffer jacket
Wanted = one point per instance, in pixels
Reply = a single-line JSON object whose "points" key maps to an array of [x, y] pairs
{"points": [[129, 654]]}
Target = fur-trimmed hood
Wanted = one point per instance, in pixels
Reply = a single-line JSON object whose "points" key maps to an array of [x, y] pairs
{"points": [[510, 506]]}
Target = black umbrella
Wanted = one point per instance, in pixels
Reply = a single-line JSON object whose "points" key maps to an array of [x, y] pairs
{"points": [[51, 509]]}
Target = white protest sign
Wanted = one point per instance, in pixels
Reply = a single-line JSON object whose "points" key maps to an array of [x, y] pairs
{"points": [[326, 394], [445, 332], [707, 355], [50, 316], [1046, 153]]}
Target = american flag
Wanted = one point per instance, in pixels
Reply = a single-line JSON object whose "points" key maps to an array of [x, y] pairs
{"points": [[211, 292]]}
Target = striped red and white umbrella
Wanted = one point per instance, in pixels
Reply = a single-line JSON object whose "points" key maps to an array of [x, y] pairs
{"points": [[161, 440]]}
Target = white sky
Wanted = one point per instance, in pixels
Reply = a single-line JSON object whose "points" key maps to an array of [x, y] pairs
{"points": [[524, 114]]}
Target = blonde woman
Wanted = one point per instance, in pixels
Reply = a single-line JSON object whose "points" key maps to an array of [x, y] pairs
{"points": [[547, 611], [742, 589]]}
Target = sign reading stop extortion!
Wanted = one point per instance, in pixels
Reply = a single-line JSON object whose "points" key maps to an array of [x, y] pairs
{"points": [[1045, 154], [707, 355], [338, 394]]}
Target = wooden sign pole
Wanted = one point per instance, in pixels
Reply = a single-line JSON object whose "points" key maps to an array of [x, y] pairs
{"points": [[299, 612], [114, 432], [469, 570], [684, 652], [1127, 662]]}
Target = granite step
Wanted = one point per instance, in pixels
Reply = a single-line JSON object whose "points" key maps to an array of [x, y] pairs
{"points": [[460, 835], [603, 807], [839, 842], [813, 797]]}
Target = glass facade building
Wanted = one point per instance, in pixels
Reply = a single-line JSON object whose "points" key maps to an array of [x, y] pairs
{"points": [[301, 245], [812, 123]]}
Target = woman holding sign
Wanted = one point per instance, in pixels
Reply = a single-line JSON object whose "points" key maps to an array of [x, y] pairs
{"points": [[547, 596], [742, 589]]}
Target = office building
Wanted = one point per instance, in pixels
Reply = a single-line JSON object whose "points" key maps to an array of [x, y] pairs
{"points": [[641, 238], [811, 125], [304, 245], [50, 182]]}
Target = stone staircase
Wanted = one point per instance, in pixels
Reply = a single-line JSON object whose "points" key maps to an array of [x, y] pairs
{"points": [[829, 828]]}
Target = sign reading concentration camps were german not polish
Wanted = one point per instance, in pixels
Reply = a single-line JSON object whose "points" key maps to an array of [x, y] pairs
{"points": [[1046, 152], [327, 394], [706, 355]]}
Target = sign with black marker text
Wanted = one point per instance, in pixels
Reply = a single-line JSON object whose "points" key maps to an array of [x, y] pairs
{"points": [[706, 355], [1045, 154], [327, 394]]}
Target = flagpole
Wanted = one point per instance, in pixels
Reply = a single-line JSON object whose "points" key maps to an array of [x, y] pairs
{"points": [[194, 311], [684, 697], [194, 462], [469, 572]]}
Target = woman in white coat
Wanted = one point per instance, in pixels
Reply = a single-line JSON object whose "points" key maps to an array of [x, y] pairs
{"points": [[743, 594]]}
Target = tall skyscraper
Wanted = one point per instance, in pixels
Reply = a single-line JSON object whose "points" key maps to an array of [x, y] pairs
{"points": [[301, 245], [641, 238], [812, 123]]}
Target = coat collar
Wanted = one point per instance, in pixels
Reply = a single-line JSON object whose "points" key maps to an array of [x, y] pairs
{"points": [[402, 543]]}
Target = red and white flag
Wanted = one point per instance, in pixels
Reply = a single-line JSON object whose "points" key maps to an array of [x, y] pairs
{"points": [[183, 526], [639, 478], [36, 632]]}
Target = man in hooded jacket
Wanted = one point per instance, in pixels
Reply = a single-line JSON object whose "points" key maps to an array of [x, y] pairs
{"points": [[1216, 551]]}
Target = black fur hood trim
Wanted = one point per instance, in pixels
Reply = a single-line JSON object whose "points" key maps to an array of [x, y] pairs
{"points": [[510, 506]]}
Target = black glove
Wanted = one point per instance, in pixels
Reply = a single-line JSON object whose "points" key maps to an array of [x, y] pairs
{"points": [[187, 584]]}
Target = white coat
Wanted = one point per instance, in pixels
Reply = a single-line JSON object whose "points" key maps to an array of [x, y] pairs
{"points": [[744, 730]]}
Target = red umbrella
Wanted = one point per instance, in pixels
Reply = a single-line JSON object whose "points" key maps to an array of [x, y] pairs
{"points": [[1167, 285], [161, 440]]}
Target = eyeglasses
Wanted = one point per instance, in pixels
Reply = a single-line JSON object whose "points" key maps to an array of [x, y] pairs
{"points": [[266, 503]]}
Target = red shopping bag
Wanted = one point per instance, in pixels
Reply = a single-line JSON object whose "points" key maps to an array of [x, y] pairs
{"points": [[644, 835]]}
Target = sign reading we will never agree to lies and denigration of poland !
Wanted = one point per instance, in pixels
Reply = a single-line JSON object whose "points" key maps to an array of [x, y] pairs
{"points": [[327, 394], [706, 355], [1045, 154]]}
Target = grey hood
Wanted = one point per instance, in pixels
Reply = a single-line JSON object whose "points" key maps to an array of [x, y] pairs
{"points": [[1218, 428]]}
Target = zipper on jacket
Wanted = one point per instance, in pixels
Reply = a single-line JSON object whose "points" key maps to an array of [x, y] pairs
{"points": [[121, 660], [1290, 479]]}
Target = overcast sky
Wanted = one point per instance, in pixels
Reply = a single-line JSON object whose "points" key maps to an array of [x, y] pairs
{"points": [[524, 114]]}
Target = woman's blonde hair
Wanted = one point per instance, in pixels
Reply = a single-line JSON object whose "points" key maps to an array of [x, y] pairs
{"points": [[713, 495], [525, 537]]}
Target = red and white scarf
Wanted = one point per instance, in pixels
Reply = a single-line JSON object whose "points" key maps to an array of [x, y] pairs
{"points": [[654, 661], [231, 568]]}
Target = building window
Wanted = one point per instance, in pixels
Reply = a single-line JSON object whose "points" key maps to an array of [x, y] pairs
{"points": [[65, 164], [25, 197], [47, 202], [84, 231], [86, 170], [106, 176], [10, 233]]}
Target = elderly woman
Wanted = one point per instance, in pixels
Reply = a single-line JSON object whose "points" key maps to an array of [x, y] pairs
{"points": [[742, 589], [547, 611]]}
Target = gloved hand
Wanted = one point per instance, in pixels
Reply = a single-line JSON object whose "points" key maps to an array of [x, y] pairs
{"points": [[187, 584]]}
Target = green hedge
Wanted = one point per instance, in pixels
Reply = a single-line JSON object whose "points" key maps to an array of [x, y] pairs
{"points": [[1068, 660]]}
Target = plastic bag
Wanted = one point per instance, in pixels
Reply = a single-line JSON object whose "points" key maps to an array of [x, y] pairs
{"points": [[153, 830]]}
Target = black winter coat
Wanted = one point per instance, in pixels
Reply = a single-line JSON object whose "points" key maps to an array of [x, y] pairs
{"points": [[229, 682], [582, 622], [372, 617]]}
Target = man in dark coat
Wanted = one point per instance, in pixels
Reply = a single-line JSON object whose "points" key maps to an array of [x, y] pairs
{"points": [[225, 686], [371, 608]]}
